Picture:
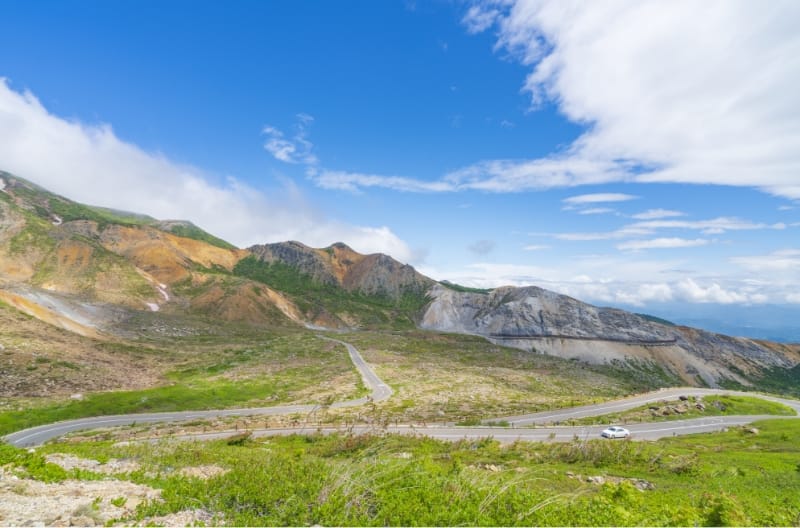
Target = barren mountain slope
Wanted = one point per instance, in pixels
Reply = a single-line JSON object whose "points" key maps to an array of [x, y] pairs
{"points": [[543, 321], [55, 249]]}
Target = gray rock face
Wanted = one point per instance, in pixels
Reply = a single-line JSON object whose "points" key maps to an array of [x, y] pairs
{"points": [[298, 255], [534, 312], [539, 320], [338, 264]]}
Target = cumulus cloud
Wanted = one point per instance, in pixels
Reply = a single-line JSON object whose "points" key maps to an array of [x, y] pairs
{"points": [[623, 279], [657, 87], [661, 243], [89, 163]]}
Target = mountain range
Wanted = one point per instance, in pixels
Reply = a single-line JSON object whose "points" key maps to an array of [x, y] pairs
{"points": [[107, 274]]}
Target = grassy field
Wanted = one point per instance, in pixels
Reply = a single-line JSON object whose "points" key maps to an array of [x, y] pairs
{"points": [[720, 479], [287, 367], [722, 405], [457, 378]]}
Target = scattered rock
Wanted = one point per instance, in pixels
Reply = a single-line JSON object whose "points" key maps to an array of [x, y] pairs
{"points": [[68, 503], [700, 406], [203, 472], [199, 517], [751, 430], [112, 467], [404, 455], [76, 396], [599, 480], [683, 398]]}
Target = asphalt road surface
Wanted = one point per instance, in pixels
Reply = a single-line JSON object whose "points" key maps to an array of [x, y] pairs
{"points": [[523, 427]]}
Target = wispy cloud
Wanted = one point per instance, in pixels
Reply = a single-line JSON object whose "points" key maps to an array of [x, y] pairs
{"points": [[353, 182], [535, 247], [661, 243], [597, 211], [480, 18], [297, 148], [714, 226], [655, 214], [89, 163], [595, 198]]}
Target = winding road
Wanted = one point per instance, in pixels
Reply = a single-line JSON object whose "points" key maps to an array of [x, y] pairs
{"points": [[523, 427]]}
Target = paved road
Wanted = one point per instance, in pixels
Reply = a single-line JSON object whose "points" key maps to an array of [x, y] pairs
{"points": [[38, 435], [523, 427], [632, 402], [646, 431]]}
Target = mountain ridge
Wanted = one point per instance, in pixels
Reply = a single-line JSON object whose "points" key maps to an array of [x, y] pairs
{"points": [[102, 266]]}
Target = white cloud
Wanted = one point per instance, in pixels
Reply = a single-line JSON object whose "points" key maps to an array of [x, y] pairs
{"points": [[478, 19], [535, 247], [297, 149], [689, 290], [655, 214], [597, 211], [614, 279], [595, 198], [793, 298], [353, 182], [714, 226], [89, 163], [678, 91], [661, 243], [711, 227], [787, 260]]}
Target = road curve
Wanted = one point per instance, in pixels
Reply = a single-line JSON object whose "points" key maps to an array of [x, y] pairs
{"points": [[522, 427], [572, 413], [41, 434]]}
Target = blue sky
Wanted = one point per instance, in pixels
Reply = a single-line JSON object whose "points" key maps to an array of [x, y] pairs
{"points": [[625, 153]]}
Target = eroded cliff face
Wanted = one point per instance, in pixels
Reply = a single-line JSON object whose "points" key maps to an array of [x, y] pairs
{"points": [[535, 312], [541, 321], [339, 265]]}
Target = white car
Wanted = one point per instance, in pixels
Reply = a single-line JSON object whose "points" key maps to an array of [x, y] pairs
{"points": [[615, 432]]}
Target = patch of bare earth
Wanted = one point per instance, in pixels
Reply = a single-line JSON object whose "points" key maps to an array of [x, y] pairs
{"points": [[40, 360], [26, 502], [450, 389]]}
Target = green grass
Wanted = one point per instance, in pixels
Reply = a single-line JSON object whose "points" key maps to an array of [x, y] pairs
{"points": [[279, 368], [315, 298], [463, 289], [468, 379], [722, 405], [720, 479], [188, 230], [654, 319]]}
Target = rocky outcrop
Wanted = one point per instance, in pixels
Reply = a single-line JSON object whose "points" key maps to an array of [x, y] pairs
{"points": [[542, 321], [339, 265], [534, 312]]}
